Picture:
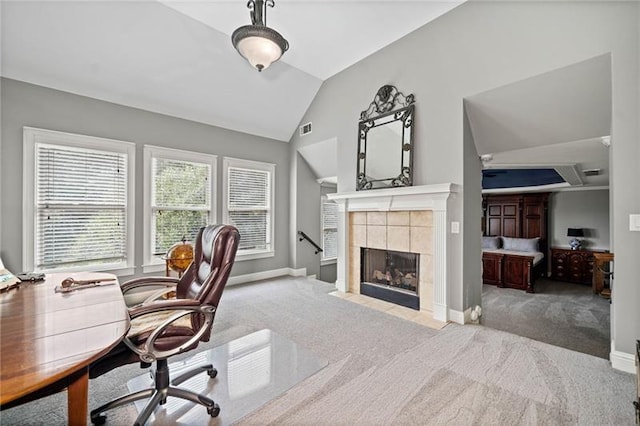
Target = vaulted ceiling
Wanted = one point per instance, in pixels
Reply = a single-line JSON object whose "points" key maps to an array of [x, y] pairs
{"points": [[560, 119], [176, 57]]}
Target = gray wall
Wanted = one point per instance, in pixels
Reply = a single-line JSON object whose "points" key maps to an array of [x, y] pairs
{"points": [[476, 47], [29, 105], [580, 209], [472, 214], [328, 273], [307, 217]]}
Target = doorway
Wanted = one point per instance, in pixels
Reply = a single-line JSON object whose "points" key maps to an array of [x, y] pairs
{"points": [[544, 123]]}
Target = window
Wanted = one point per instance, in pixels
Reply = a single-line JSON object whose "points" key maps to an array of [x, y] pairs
{"points": [[248, 205], [329, 219], [78, 202], [179, 199]]}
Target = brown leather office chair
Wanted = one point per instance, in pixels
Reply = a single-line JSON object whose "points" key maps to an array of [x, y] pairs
{"points": [[161, 328]]}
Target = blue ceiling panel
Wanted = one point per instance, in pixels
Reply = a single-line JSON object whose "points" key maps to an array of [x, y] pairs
{"points": [[518, 178]]}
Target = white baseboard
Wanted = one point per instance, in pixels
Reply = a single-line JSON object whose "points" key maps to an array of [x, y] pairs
{"points": [[467, 315], [457, 316], [301, 272], [623, 361], [341, 285], [313, 277], [440, 312], [263, 275]]}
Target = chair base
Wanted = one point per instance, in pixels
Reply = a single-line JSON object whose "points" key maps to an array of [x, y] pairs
{"points": [[158, 395]]}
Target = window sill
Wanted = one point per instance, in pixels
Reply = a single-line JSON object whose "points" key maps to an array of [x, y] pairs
{"points": [[153, 267], [328, 262], [126, 272], [240, 257]]}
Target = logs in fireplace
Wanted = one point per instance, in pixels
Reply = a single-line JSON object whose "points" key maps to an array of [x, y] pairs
{"points": [[391, 276]]}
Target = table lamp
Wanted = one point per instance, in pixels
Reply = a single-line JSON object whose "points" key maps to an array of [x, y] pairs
{"points": [[575, 243]]}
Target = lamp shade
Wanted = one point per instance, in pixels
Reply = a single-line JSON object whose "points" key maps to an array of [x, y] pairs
{"points": [[259, 44], [575, 232]]}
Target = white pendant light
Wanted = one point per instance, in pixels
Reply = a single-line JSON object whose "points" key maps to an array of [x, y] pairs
{"points": [[259, 44]]}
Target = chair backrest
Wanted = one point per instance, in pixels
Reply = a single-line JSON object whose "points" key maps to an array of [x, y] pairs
{"points": [[206, 277]]}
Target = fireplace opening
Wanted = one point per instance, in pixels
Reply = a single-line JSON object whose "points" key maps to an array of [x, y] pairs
{"points": [[391, 276]]}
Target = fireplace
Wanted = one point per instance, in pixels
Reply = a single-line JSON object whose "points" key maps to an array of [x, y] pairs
{"points": [[411, 219], [391, 276]]}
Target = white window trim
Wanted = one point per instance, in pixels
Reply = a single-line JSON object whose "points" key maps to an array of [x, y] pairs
{"points": [[330, 260], [153, 263], [255, 165], [31, 136]]}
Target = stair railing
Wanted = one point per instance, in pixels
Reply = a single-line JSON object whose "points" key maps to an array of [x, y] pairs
{"points": [[303, 236]]}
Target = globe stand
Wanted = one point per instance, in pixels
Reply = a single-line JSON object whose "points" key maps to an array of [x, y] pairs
{"points": [[178, 257]]}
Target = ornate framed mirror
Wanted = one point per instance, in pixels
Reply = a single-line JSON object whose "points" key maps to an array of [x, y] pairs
{"points": [[385, 141]]}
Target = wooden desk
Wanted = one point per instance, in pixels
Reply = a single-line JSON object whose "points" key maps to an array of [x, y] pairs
{"points": [[48, 339]]}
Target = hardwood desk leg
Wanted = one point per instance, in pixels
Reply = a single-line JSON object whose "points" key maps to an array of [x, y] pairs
{"points": [[78, 398]]}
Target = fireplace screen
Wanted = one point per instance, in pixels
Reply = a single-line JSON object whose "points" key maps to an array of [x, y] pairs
{"points": [[394, 270]]}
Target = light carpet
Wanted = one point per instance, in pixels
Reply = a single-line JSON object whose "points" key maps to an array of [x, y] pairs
{"points": [[386, 370]]}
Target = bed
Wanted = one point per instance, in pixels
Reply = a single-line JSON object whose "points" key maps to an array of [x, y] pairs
{"points": [[515, 226], [512, 262]]}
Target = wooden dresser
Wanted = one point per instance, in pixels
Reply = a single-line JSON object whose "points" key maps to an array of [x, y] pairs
{"points": [[575, 266]]}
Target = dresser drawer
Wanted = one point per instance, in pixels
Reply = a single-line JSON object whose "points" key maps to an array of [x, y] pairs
{"points": [[574, 266]]}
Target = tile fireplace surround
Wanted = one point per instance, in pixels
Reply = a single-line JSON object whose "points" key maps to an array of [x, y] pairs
{"points": [[404, 231], [412, 219]]}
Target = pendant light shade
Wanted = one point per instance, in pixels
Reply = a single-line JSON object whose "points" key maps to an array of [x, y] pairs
{"points": [[259, 44]]}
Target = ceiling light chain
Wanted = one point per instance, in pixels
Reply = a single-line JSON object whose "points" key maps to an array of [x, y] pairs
{"points": [[259, 44]]}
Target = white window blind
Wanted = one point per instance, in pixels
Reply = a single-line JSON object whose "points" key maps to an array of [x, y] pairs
{"points": [[249, 205], [248, 197], [329, 217], [81, 207], [180, 201]]}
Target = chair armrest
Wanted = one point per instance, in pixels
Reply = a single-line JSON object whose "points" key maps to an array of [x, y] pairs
{"points": [[158, 295], [147, 351], [147, 282], [165, 305]]}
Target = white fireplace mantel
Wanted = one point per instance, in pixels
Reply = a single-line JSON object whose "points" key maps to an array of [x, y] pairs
{"points": [[436, 198], [424, 197]]}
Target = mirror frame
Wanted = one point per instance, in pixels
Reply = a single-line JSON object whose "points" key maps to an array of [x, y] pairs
{"points": [[388, 106]]}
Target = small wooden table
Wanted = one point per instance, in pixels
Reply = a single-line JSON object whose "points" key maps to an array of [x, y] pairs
{"points": [[48, 338], [599, 260]]}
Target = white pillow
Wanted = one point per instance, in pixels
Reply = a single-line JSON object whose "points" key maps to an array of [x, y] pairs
{"points": [[490, 242], [521, 244]]}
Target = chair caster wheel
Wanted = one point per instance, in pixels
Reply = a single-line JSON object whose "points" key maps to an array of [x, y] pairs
{"points": [[214, 411], [100, 419], [212, 373]]}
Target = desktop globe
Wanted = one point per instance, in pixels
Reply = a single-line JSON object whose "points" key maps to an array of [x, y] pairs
{"points": [[179, 256]]}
